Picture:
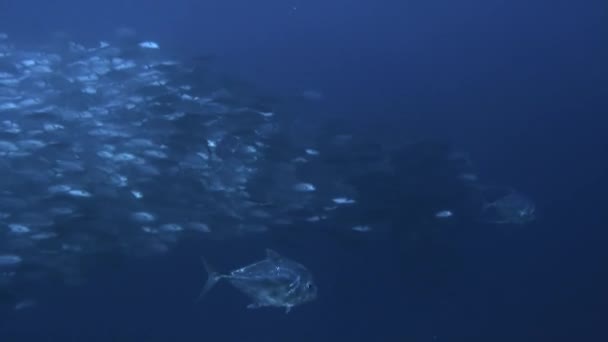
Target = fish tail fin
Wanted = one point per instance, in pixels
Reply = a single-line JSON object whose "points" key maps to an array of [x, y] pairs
{"points": [[212, 278]]}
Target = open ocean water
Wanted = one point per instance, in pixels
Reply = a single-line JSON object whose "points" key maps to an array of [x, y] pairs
{"points": [[423, 170]]}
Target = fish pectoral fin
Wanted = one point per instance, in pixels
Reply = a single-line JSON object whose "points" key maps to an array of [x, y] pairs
{"points": [[254, 306]]}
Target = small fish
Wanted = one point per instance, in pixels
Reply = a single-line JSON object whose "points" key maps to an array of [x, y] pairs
{"points": [[266, 114], [312, 152], [143, 217], [43, 236], [274, 281], [79, 193], [149, 45], [171, 227], [362, 228], [304, 187], [137, 194], [18, 228], [25, 304], [311, 95], [199, 227], [315, 218], [10, 260], [444, 214], [468, 177], [343, 200]]}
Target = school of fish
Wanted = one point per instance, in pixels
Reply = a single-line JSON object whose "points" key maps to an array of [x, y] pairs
{"points": [[119, 149]]}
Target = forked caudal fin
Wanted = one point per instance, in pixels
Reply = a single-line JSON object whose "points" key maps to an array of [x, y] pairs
{"points": [[212, 278]]}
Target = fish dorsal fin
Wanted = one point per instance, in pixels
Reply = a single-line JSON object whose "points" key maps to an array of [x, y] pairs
{"points": [[272, 255]]}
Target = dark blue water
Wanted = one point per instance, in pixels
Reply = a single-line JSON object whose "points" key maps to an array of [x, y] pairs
{"points": [[521, 85]]}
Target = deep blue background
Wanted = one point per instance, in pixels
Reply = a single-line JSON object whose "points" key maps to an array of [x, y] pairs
{"points": [[522, 85]]}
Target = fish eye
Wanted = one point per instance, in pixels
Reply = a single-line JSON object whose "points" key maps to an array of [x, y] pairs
{"points": [[308, 286]]}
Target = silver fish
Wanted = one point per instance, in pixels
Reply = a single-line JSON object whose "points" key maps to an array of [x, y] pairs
{"points": [[272, 282]]}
